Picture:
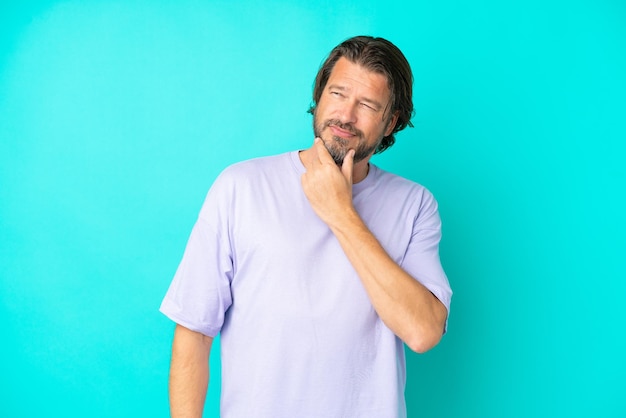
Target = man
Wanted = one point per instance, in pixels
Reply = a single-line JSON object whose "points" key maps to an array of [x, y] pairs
{"points": [[315, 266]]}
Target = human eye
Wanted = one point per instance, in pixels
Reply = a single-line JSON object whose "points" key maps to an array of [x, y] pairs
{"points": [[368, 107]]}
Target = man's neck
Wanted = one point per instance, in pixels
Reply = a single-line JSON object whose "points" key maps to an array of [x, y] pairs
{"points": [[360, 171]]}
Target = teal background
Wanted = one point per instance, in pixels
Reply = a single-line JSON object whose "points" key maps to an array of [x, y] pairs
{"points": [[116, 116]]}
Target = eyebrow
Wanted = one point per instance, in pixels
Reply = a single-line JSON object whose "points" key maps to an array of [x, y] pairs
{"points": [[372, 102]]}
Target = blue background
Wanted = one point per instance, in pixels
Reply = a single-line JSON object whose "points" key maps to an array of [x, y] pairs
{"points": [[116, 116]]}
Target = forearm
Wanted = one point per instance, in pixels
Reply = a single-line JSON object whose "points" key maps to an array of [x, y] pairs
{"points": [[189, 373], [408, 308]]}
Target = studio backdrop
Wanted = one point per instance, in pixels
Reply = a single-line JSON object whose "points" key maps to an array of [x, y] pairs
{"points": [[116, 117]]}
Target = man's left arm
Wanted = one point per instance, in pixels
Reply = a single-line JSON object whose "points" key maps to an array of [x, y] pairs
{"points": [[406, 307]]}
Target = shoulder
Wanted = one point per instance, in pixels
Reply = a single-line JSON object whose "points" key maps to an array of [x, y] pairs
{"points": [[255, 165], [255, 175], [244, 180], [394, 186]]}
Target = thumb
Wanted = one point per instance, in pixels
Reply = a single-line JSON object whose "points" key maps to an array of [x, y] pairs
{"points": [[348, 164]]}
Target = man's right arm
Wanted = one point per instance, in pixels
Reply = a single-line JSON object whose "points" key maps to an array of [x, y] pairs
{"points": [[189, 373]]}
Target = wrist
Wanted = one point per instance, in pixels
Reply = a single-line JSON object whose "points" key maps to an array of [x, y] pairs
{"points": [[346, 223]]}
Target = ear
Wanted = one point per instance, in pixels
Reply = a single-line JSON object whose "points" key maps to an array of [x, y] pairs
{"points": [[392, 123]]}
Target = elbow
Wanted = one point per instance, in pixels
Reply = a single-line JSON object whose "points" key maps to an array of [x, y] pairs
{"points": [[426, 333], [423, 340], [421, 346]]}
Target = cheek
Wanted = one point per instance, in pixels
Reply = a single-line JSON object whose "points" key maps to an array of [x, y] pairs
{"points": [[329, 110], [378, 130]]}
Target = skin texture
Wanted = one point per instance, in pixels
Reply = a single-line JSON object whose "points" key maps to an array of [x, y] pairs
{"points": [[189, 373], [410, 310]]}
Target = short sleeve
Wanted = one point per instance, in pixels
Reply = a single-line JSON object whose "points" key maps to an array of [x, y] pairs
{"points": [[200, 293], [422, 256]]}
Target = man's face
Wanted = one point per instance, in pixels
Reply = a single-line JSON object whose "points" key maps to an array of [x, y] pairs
{"points": [[352, 112]]}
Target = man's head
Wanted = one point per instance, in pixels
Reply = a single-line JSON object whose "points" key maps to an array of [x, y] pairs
{"points": [[380, 57]]}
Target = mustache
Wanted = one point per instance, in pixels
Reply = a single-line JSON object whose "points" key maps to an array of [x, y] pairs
{"points": [[345, 126]]}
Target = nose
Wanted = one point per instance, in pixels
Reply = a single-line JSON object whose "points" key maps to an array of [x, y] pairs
{"points": [[347, 113]]}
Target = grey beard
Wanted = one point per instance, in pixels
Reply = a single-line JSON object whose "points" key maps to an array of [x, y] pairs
{"points": [[338, 147]]}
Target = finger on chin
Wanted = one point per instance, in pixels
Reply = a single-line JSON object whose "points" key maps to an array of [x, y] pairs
{"points": [[347, 165], [322, 151]]}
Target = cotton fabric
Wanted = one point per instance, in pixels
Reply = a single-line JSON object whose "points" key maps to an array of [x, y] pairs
{"points": [[299, 336]]}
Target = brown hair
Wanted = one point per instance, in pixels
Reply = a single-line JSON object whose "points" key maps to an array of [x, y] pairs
{"points": [[383, 57]]}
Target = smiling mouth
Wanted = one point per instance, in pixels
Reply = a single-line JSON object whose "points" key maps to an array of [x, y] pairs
{"points": [[337, 131], [340, 129]]}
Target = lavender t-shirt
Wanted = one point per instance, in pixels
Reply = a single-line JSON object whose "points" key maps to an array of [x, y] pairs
{"points": [[299, 336]]}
